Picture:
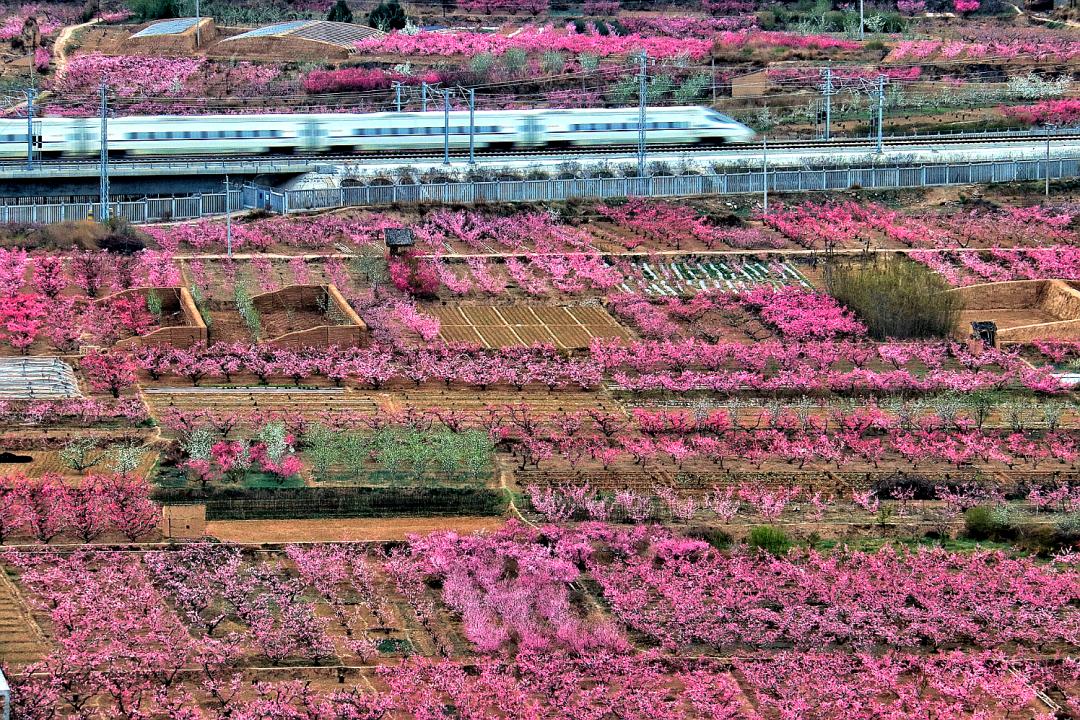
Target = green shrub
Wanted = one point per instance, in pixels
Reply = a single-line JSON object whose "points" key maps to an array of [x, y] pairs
{"points": [[892, 22], [984, 522], [246, 307], [715, 537], [153, 304], [896, 298], [388, 16], [770, 539], [340, 12], [153, 9]]}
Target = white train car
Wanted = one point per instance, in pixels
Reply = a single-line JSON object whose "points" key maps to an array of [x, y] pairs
{"points": [[341, 132]]}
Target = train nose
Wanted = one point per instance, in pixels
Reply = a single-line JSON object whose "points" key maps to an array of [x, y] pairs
{"points": [[745, 135]]}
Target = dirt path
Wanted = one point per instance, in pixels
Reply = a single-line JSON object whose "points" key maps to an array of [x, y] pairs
{"points": [[343, 530], [1043, 19], [21, 640], [60, 56]]}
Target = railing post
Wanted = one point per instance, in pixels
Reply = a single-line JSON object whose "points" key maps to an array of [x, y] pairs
{"points": [[5, 698]]}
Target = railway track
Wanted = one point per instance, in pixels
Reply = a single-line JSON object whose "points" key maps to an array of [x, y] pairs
{"points": [[433, 154]]}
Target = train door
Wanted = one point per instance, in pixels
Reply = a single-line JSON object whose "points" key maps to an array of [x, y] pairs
{"points": [[531, 131], [81, 140], [312, 135]]}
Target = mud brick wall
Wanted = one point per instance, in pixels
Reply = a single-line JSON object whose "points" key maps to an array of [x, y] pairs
{"points": [[1004, 295], [1056, 298], [192, 331], [183, 522], [1062, 300], [278, 48], [344, 327]]}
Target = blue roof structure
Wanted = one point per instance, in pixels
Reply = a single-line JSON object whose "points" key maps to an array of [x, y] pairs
{"points": [[175, 26], [282, 28], [343, 35]]}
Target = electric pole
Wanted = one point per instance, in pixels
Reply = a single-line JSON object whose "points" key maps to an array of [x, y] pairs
{"points": [[862, 22], [828, 100], [228, 219], [30, 92], [713, 83], [397, 95], [423, 96], [446, 126], [198, 25], [880, 109], [104, 190], [643, 96], [472, 126], [765, 173], [1048, 164]]}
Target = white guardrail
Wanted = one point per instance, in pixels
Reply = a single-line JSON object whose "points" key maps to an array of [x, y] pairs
{"points": [[5, 698], [147, 210]]}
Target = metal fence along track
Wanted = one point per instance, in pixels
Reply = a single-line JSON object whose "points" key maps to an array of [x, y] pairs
{"points": [[284, 202], [147, 210], [882, 177]]}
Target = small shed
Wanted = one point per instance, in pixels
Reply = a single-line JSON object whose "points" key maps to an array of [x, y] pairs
{"points": [[398, 240], [175, 35]]}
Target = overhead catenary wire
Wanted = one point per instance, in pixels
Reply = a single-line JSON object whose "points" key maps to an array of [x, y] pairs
{"points": [[70, 99]]}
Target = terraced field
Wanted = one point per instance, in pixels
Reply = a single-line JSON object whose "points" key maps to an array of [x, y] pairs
{"points": [[565, 327], [693, 276]]}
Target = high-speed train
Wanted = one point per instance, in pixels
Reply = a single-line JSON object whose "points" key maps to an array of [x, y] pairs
{"points": [[334, 132]]}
